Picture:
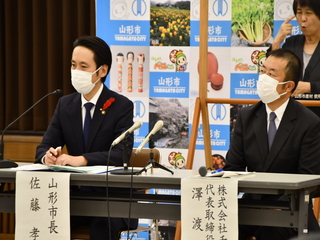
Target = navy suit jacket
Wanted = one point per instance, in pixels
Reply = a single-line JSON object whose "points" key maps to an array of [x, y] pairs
{"points": [[66, 129], [295, 148]]}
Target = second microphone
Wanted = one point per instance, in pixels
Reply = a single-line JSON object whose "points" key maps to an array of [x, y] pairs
{"points": [[155, 129]]}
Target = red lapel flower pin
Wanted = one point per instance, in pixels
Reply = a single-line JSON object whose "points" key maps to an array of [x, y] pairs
{"points": [[107, 104]]}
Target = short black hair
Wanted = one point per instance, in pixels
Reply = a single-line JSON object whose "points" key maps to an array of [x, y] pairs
{"points": [[218, 155], [293, 69], [314, 5], [101, 50]]}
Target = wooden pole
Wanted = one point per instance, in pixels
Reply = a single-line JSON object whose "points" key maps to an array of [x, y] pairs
{"points": [[203, 72], [195, 125], [200, 104]]}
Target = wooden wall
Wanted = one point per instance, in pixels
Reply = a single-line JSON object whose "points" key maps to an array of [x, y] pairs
{"points": [[21, 148], [17, 148]]}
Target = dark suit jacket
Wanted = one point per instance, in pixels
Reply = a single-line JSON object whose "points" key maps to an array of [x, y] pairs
{"points": [[312, 73], [66, 129], [295, 148]]}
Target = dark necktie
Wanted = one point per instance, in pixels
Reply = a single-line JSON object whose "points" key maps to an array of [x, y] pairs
{"points": [[87, 121], [272, 128]]}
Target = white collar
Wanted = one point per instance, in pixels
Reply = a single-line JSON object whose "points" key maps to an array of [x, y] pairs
{"points": [[94, 99], [279, 111]]}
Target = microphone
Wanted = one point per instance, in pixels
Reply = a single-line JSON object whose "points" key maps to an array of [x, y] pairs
{"points": [[155, 129], [135, 126], [203, 171], [55, 92], [5, 163]]}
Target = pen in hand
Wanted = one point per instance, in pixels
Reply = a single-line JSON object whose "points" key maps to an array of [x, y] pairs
{"points": [[56, 149]]}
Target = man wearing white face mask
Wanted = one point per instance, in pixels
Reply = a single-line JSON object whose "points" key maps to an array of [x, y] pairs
{"points": [[88, 132], [278, 134]]}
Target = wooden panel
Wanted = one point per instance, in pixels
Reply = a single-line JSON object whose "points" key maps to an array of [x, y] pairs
{"points": [[81, 233], [21, 148], [4, 236]]}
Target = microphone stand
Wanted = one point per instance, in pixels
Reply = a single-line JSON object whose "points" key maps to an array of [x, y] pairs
{"points": [[152, 163], [6, 163], [125, 170]]}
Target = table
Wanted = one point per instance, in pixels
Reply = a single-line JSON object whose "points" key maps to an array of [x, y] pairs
{"points": [[294, 213]]}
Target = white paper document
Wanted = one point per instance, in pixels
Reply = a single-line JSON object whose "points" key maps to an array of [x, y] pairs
{"points": [[84, 169]]}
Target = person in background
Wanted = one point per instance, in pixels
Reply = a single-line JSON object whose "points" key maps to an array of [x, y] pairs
{"points": [[305, 46], [111, 114], [276, 135], [218, 161]]}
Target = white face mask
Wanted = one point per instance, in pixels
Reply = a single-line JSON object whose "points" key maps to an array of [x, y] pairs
{"points": [[267, 88], [82, 80]]}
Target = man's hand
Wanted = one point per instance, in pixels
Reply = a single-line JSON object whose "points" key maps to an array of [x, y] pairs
{"points": [[67, 160], [51, 156]]}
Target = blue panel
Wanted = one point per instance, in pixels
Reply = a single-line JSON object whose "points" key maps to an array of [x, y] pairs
{"points": [[244, 86], [128, 33], [140, 134], [169, 84], [219, 33], [219, 136]]}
